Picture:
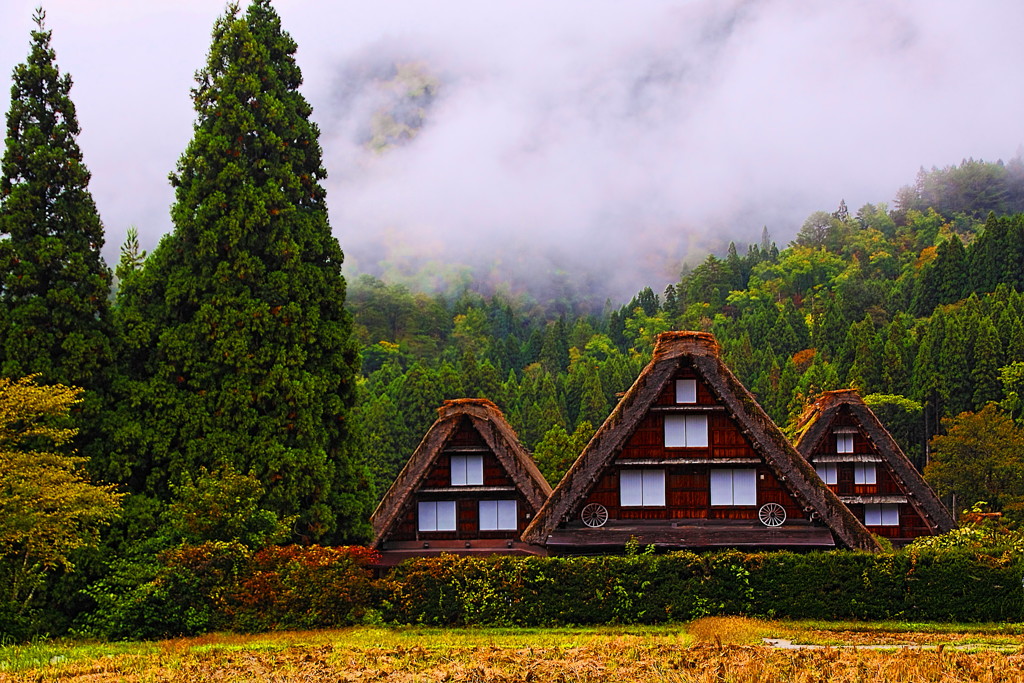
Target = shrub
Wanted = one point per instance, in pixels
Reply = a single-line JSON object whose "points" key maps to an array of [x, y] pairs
{"points": [[303, 587]]}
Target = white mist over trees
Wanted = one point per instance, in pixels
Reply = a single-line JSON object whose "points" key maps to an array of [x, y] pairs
{"points": [[596, 144]]}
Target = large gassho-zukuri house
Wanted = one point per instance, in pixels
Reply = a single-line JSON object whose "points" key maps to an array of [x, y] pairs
{"points": [[688, 459], [859, 461], [469, 488]]}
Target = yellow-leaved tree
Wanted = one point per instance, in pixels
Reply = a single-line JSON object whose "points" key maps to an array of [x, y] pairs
{"points": [[48, 506]]}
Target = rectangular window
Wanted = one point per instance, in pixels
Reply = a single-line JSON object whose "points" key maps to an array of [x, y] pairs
{"points": [[437, 515], [864, 473], [642, 488], [844, 443], [686, 391], [828, 471], [733, 487], [467, 470], [498, 515], [884, 514], [686, 431]]}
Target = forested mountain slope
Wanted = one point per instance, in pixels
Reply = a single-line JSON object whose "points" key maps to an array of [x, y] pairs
{"points": [[919, 307]]}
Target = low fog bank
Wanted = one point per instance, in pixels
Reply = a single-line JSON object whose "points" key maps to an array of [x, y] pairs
{"points": [[589, 144]]}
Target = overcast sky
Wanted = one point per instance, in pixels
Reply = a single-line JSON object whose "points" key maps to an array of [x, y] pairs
{"points": [[601, 142]]}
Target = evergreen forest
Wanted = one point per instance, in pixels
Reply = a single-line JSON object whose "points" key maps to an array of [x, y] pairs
{"points": [[234, 386]]}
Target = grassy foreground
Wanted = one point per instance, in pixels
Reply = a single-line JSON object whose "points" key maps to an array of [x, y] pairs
{"points": [[714, 649]]}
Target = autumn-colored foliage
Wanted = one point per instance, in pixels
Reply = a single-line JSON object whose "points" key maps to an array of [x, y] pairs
{"points": [[303, 587]]}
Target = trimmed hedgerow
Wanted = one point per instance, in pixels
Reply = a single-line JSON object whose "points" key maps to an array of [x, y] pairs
{"points": [[192, 589], [949, 585]]}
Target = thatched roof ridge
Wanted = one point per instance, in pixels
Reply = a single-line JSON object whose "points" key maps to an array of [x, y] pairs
{"points": [[815, 425], [496, 432], [701, 351]]}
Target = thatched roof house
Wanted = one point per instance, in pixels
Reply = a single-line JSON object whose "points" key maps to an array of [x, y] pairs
{"points": [[860, 461], [688, 459], [469, 488]]}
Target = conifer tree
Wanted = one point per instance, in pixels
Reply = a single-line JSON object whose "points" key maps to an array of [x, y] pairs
{"points": [[239, 347], [54, 317]]}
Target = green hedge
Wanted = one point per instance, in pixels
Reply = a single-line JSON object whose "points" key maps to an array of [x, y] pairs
{"points": [[947, 585], [193, 589]]}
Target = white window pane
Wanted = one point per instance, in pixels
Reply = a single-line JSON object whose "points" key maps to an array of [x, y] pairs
{"points": [[507, 518], [686, 391], [721, 487], [631, 488], [744, 487], [475, 470], [864, 473], [446, 515], [467, 470], [697, 431], [653, 487], [844, 443], [488, 515], [675, 431], [458, 470], [890, 515], [427, 513], [872, 515], [828, 472]]}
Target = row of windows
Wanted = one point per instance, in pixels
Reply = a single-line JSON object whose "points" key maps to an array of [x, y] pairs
{"points": [[646, 487], [863, 473], [495, 515]]}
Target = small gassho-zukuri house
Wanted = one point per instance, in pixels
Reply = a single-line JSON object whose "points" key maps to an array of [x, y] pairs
{"points": [[688, 459], [859, 461], [469, 488]]}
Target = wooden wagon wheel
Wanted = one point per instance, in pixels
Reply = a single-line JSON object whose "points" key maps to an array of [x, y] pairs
{"points": [[772, 514], [594, 515]]}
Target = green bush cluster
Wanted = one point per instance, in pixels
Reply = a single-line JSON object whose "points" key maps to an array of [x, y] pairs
{"points": [[946, 585], [220, 585]]}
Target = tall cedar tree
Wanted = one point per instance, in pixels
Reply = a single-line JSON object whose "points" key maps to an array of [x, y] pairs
{"points": [[54, 317], [239, 347]]}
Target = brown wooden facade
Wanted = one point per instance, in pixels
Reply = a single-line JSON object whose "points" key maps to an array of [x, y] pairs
{"points": [[863, 466], [469, 488], [689, 460]]}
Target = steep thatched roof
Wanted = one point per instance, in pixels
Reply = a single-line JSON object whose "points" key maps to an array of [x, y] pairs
{"points": [[496, 432], [701, 352], [815, 425]]}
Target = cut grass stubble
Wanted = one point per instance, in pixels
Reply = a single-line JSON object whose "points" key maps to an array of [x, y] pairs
{"points": [[714, 649]]}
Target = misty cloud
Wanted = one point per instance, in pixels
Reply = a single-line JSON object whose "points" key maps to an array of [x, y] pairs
{"points": [[597, 144]]}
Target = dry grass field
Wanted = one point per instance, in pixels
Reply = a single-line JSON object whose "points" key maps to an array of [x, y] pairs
{"points": [[719, 649]]}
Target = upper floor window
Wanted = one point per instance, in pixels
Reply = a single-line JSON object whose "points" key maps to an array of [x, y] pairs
{"points": [[883, 514], [437, 515], [686, 431], [844, 443], [467, 470], [498, 515], [642, 487], [733, 487], [686, 391], [864, 473], [828, 471]]}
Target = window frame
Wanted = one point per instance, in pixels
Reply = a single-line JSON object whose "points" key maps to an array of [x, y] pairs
{"points": [[844, 442], [719, 474], [886, 514], [461, 469], [425, 505], [686, 391], [831, 472], [652, 487], [498, 515], [865, 474], [691, 437]]}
